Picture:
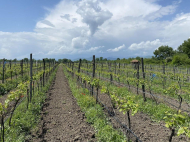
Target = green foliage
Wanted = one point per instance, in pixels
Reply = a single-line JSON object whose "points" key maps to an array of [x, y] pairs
{"points": [[168, 59], [24, 120], [97, 59], [180, 59], [176, 121], [185, 47], [101, 58], [94, 114], [163, 52]]}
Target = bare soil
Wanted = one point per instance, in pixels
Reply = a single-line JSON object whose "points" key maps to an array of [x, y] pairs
{"points": [[141, 124], [62, 120]]}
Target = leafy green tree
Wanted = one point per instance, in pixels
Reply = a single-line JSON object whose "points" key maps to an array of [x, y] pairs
{"points": [[138, 58], [185, 47], [97, 59], [14, 60], [180, 59], [163, 52], [105, 59], [101, 58], [84, 60], [25, 59], [65, 60], [118, 58]]}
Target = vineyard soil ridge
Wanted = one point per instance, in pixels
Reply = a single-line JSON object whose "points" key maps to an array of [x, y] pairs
{"points": [[62, 119]]}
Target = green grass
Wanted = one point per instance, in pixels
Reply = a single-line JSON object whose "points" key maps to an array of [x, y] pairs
{"points": [[94, 114], [25, 120]]}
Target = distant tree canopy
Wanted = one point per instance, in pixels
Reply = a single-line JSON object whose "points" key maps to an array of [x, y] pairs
{"points": [[25, 59], [101, 58], [163, 52], [64, 60], [138, 58], [97, 59], [185, 47], [180, 59]]}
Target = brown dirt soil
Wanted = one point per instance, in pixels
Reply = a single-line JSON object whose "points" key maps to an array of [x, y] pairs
{"points": [[141, 125], [62, 120]]}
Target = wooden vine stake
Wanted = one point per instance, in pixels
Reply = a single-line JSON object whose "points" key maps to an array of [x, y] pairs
{"points": [[21, 65], [143, 87], [93, 71], [79, 68], [30, 77], [164, 76], [44, 73], [138, 78], [3, 77], [11, 71]]}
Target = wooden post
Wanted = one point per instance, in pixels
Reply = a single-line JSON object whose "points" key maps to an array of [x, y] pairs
{"points": [[138, 78], [143, 87], [33, 87], [21, 65], [11, 70], [3, 70], [79, 66], [44, 73], [115, 67], [93, 72], [72, 65], [30, 77], [164, 81], [28, 98], [111, 78]]}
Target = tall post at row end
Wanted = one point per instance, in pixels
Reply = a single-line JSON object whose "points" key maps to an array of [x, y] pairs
{"points": [[44, 73], [143, 87], [30, 77], [93, 72], [79, 66], [3, 77]]}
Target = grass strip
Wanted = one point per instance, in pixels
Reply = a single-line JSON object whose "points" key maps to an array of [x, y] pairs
{"points": [[25, 120], [94, 113]]}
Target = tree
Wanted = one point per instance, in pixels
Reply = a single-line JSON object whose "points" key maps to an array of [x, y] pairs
{"points": [[84, 60], [25, 59], [65, 60], [14, 60], [105, 59], [185, 47], [118, 58], [97, 59], [101, 58], [163, 52], [180, 59], [138, 58]]}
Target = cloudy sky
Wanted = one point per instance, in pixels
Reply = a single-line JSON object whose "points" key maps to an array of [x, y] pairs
{"points": [[82, 28]]}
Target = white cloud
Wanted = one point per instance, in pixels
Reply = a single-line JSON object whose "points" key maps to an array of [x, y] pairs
{"points": [[145, 45], [95, 48], [92, 14], [94, 26], [116, 49], [79, 42]]}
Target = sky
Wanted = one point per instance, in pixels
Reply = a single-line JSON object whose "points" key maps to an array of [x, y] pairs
{"points": [[82, 28]]}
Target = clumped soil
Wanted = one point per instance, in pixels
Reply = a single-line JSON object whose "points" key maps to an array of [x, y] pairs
{"points": [[141, 124], [62, 120]]}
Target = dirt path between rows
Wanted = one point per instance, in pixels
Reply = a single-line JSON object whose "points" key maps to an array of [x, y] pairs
{"points": [[62, 120]]}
